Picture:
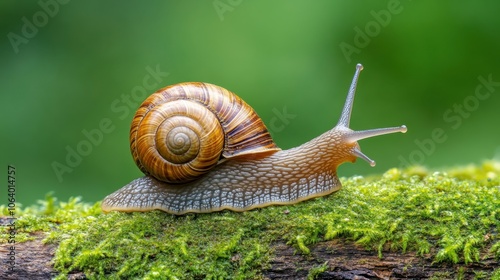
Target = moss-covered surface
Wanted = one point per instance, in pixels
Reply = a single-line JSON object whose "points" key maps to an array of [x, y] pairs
{"points": [[452, 216]]}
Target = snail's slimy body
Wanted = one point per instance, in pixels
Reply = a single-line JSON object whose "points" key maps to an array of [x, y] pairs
{"points": [[240, 184], [252, 180]]}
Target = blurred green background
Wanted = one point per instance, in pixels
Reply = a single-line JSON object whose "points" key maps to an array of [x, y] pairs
{"points": [[68, 68]]}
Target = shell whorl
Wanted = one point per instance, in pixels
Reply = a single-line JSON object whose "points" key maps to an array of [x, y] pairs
{"points": [[182, 131]]}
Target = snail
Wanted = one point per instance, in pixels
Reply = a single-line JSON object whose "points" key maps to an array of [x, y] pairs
{"points": [[203, 149]]}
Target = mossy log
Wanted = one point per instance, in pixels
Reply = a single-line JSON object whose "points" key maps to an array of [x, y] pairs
{"points": [[327, 260], [403, 224]]}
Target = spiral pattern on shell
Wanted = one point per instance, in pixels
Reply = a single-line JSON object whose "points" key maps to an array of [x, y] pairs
{"points": [[182, 131]]}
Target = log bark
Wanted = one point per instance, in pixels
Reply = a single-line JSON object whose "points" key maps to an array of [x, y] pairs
{"points": [[348, 261], [32, 260], [344, 261]]}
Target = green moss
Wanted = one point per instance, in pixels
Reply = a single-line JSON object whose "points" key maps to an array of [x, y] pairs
{"points": [[444, 276], [47, 216], [452, 216], [317, 270], [496, 274]]}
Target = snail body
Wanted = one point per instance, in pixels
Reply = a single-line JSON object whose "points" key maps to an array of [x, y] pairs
{"points": [[242, 169]]}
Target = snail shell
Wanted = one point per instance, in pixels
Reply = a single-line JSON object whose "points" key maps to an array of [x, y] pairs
{"points": [[182, 131], [176, 130]]}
